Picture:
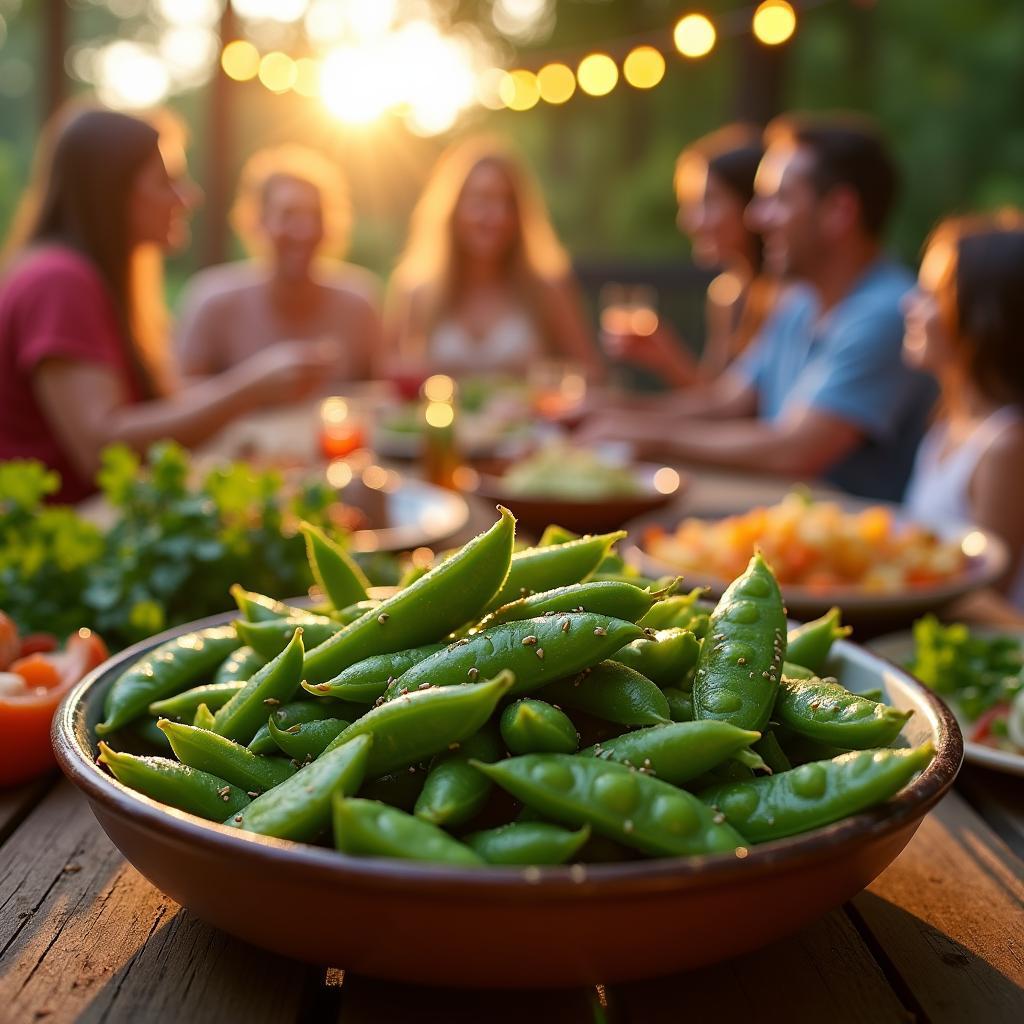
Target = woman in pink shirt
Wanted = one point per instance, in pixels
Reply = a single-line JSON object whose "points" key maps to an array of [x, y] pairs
{"points": [[83, 361]]}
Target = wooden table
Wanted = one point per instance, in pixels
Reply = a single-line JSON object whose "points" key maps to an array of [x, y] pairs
{"points": [[939, 936]]}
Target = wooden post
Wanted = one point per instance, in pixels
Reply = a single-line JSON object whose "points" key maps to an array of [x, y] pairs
{"points": [[219, 138], [55, 44], [761, 81]]}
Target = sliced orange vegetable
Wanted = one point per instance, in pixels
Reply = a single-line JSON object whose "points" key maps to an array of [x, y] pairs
{"points": [[37, 643]]}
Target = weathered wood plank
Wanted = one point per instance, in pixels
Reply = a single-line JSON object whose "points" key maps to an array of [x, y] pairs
{"points": [[15, 803], [949, 915], [999, 799], [85, 938], [823, 973]]}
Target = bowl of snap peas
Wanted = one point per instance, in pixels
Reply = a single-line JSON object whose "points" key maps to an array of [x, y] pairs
{"points": [[512, 771]]}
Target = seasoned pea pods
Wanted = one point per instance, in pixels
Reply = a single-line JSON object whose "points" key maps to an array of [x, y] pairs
{"points": [[808, 645], [533, 726], [817, 793], [537, 569], [555, 534], [204, 718], [769, 748], [270, 638], [366, 680], [300, 808], [338, 576], [354, 611], [224, 758], [175, 784], [618, 802], [613, 692], [740, 661], [167, 670], [678, 752], [296, 713], [829, 713], [186, 703], [453, 593], [239, 665], [680, 704], [676, 611], [399, 789], [619, 600], [365, 828], [305, 741], [528, 842], [260, 608], [271, 686], [537, 651], [418, 725], [666, 659], [454, 791]]}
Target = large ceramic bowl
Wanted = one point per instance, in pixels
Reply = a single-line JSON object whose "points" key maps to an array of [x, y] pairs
{"points": [[507, 926]]}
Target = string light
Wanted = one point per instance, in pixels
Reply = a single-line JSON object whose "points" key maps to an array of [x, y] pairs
{"points": [[277, 71], [240, 60], [644, 67], [774, 22], [597, 74], [557, 83], [694, 35], [520, 90], [307, 77]]}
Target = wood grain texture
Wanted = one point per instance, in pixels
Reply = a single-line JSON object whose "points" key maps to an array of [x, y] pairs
{"points": [[16, 803], [999, 799], [85, 938], [949, 915]]}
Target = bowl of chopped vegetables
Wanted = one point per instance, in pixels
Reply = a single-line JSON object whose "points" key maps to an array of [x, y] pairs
{"points": [[594, 782]]}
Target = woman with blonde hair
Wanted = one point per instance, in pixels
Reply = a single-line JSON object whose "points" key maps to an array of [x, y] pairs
{"points": [[484, 285], [83, 362], [292, 213]]}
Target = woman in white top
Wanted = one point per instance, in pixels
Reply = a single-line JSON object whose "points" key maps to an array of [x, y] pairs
{"points": [[484, 286], [965, 324]]}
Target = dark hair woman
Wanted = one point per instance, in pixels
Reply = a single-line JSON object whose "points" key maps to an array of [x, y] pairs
{"points": [[963, 324], [82, 355]]}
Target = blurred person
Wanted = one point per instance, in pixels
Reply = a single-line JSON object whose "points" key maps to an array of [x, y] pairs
{"points": [[714, 184], [963, 326], [83, 359], [293, 216], [484, 285], [822, 389]]}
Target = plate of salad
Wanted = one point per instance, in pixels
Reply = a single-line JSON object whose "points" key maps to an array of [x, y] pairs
{"points": [[979, 672]]}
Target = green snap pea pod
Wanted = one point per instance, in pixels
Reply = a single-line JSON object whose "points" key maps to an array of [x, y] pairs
{"points": [[632, 808], [678, 752], [418, 725], [876, 695], [175, 784], [260, 608], [208, 752], [271, 637], [726, 772], [528, 842], [204, 718], [366, 680], [817, 793], [453, 593], [619, 600], [295, 713], [537, 569], [239, 665], [270, 687], [185, 704], [365, 828], [300, 808], [741, 658], [399, 789], [167, 670], [338, 576], [675, 611], [533, 726], [801, 749], [749, 759], [774, 756], [829, 713], [613, 692], [306, 741], [680, 704], [792, 671], [668, 661], [554, 534], [454, 791], [537, 651], [146, 730], [808, 645], [354, 611]]}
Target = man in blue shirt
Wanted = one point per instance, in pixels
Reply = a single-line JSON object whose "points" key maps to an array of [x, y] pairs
{"points": [[822, 391]]}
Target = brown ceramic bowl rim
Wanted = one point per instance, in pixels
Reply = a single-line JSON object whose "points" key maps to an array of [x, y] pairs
{"points": [[605, 880]]}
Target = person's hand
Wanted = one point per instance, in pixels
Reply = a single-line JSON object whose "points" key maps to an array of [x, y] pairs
{"points": [[645, 436], [659, 352], [288, 371]]}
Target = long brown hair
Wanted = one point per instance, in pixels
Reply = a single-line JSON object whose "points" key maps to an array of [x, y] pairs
{"points": [[431, 261], [980, 296], [85, 168]]}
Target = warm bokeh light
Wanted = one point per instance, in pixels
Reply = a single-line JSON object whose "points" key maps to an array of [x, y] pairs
{"points": [[974, 544], [189, 13], [439, 415], [597, 74], [240, 60], [277, 71], [465, 478], [130, 76], [644, 67], [333, 411], [439, 388], [643, 322], [375, 477], [774, 22], [694, 35], [557, 83], [189, 53], [270, 10], [307, 77], [488, 88], [352, 86], [520, 90], [666, 480], [725, 289], [339, 474]]}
